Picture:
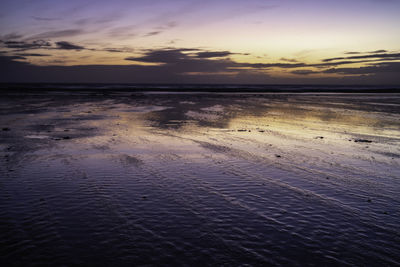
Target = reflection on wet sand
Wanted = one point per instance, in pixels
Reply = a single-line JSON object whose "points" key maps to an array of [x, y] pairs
{"points": [[200, 179]]}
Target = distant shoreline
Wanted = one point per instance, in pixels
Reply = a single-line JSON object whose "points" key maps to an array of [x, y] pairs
{"points": [[193, 88]]}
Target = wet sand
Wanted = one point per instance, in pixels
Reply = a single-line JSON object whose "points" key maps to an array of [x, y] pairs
{"points": [[199, 179]]}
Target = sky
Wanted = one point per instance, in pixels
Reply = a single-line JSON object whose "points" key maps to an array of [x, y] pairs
{"points": [[200, 41]]}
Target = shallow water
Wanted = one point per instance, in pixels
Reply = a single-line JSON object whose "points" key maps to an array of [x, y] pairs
{"points": [[200, 179]]}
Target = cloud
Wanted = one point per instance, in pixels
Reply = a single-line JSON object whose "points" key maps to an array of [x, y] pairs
{"points": [[11, 59], [370, 52], [10, 36], [118, 50], [152, 33], [122, 32], [352, 53], [378, 51], [292, 60], [44, 19], [39, 44], [303, 72], [183, 67], [214, 54], [33, 55], [197, 56], [378, 55], [191, 65], [164, 56], [14, 71], [68, 46], [161, 29], [384, 67], [23, 45], [57, 34], [274, 65]]}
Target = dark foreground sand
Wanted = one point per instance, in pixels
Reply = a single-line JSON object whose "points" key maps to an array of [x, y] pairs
{"points": [[166, 179]]}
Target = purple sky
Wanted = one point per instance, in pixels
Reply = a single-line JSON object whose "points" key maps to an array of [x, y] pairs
{"points": [[253, 41]]}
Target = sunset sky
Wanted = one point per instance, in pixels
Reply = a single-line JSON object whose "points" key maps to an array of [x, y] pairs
{"points": [[220, 41]]}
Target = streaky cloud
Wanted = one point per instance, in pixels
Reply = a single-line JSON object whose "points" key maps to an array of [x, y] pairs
{"points": [[291, 60], [370, 52], [11, 36], [152, 33], [384, 67], [57, 34], [118, 50], [23, 45], [378, 51], [33, 55], [44, 19], [304, 72], [212, 54], [161, 29], [377, 55], [352, 53], [63, 45]]}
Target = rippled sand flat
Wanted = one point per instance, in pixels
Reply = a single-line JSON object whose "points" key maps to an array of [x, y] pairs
{"points": [[199, 179]]}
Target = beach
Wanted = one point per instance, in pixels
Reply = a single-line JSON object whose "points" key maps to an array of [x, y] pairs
{"points": [[161, 178]]}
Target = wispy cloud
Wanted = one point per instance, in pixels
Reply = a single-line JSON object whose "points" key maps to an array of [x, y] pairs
{"points": [[23, 45], [292, 60], [128, 31], [304, 72], [10, 36], [379, 54], [57, 34], [17, 46], [214, 54], [152, 33], [44, 19], [33, 55], [68, 46], [378, 51], [160, 29], [118, 50], [384, 67]]}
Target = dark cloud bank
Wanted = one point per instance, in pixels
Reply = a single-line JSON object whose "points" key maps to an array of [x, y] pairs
{"points": [[197, 66], [18, 46]]}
